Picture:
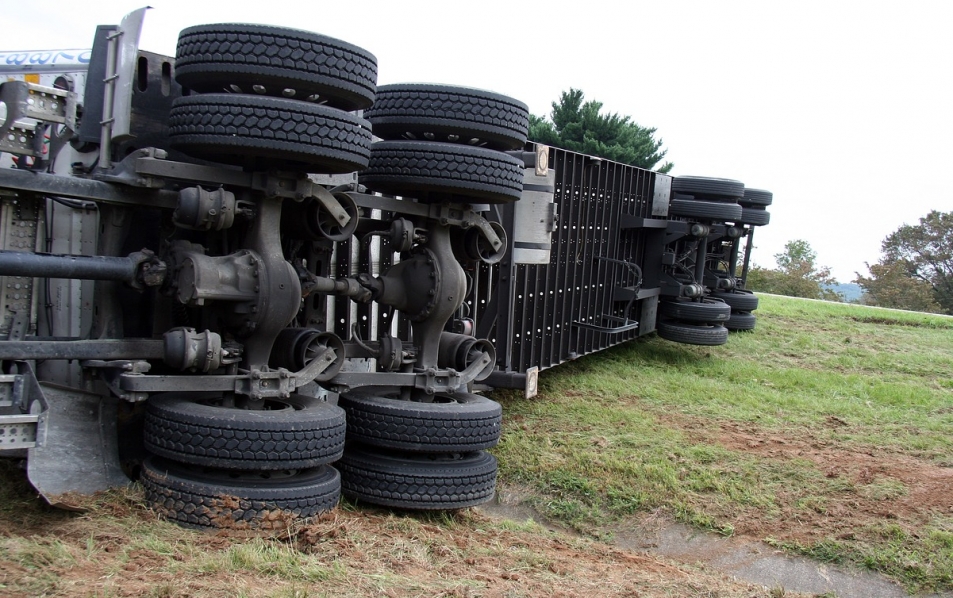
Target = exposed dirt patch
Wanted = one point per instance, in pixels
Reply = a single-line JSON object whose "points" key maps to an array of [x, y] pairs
{"points": [[876, 486], [893, 321], [117, 547]]}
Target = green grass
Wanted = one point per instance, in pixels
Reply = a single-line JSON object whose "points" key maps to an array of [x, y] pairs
{"points": [[613, 436], [635, 428]]}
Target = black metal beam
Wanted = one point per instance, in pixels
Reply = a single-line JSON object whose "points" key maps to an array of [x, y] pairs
{"points": [[83, 349], [80, 188]]}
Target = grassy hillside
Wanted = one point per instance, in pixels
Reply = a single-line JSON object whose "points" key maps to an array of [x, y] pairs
{"points": [[828, 431]]}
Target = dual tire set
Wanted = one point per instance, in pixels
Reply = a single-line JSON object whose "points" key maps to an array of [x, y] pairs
{"points": [[753, 203], [695, 322], [217, 466], [446, 144], [707, 320], [261, 98], [440, 144], [269, 97], [416, 455]]}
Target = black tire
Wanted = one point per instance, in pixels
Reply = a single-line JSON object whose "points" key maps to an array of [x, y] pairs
{"points": [[418, 169], [708, 187], [264, 132], [294, 433], [757, 197], [692, 334], [686, 310], [739, 300], [204, 498], [275, 61], [460, 422], [741, 320], [707, 210], [754, 217], [447, 481], [449, 114]]}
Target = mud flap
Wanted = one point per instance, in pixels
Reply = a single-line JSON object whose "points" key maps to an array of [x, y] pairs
{"points": [[77, 446]]}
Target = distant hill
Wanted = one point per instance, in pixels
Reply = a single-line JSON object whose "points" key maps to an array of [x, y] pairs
{"points": [[850, 291]]}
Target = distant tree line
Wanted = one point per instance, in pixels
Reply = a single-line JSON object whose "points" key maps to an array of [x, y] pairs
{"points": [[915, 270], [797, 274]]}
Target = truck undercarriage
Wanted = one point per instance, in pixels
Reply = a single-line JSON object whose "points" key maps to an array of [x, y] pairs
{"points": [[216, 282]]}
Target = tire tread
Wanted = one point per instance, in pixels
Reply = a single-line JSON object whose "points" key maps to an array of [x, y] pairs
{"points": [[497, 121], [208, 58], [193, 502], [376, 479], [187, 432], [274, 132], [412, 167]]}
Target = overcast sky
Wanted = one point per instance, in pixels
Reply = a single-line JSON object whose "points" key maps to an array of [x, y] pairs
{"points": [[839, 108]]}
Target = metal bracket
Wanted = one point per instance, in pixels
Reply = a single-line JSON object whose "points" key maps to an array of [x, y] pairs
{"points": [[43, 104], [265, 384], [18, 424], [112, 373], [448, 215], [257, 384], [431, 381], [17, 432], [143, 166], [662, 194], [315, 367], [11, 391], [121, 57]]}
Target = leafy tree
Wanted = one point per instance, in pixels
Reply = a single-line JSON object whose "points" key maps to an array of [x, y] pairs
{"points": [[582, 127], [915, 258], [797, 274], [891, 285]]}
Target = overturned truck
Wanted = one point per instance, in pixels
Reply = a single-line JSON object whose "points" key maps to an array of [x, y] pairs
{"points": [[218, 282]]}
